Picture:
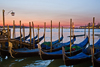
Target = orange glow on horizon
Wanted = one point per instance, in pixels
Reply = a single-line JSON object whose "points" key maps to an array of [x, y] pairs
{"points": [[55, 22], [41, 24]]}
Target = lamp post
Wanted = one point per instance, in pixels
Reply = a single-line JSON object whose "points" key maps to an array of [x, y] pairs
{"points": [[12, 13]]}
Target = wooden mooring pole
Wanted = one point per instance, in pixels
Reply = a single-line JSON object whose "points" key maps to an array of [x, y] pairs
{"points": [[44, 30], [23, 32], [89, 32], [38, 33], [13, 29], [20, 34], [73, 31], [84, 31], [93, 41], [30, 32], [59, 32], [33, 36], [3, 19], [70, 35], [51, 36]]}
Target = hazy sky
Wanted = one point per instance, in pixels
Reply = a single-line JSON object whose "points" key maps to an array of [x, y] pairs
{"points": [[40, 11]]}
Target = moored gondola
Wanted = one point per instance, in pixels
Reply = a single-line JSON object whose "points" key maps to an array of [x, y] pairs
{"points": [[36, 41], [58, 54], [18, 38], [25, 52], [96, 60], [5, 52], [58, 46], [33, 38], [46, 45], [84, 56], [26, 37]]}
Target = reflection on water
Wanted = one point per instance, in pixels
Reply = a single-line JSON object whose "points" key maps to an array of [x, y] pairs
{"points": [[24, 62], [36, 61]]}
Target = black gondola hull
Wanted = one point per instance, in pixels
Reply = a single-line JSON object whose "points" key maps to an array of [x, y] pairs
{"points": [[57, 56], [31, 54]]}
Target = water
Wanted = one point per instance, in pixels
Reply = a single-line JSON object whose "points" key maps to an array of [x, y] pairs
{"points": [[36, 61]]}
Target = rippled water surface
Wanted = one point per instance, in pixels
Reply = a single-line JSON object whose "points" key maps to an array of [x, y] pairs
{"points": [[36, 61]]}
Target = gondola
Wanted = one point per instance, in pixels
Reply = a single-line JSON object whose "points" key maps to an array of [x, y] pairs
{"points": [[6, 52], [77, 35], [58, 46], [33, 38], [46, 45], [36, 41], [84, 56], [26, 37], [58, 54], [18, 38], [25, 52], [21, 52], [96, 60]]}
